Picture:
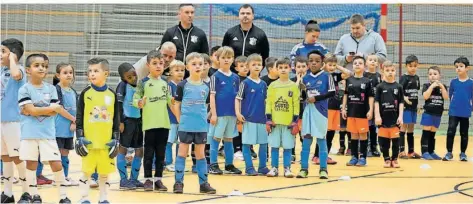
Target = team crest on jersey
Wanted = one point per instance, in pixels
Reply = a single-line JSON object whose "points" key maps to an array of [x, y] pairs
{"points": [[194, 39], [252, 90], [99, 114], [175, 38], [253, 41], [395, 91], [289, 93], [108, 100], [202, 93], [363, 86]]}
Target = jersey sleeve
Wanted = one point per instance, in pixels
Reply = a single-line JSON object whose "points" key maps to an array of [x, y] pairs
{"points": [[425, 87], [400, 97], [138, 93], [295, 103], [337, 77], [403, 81], [213, 81], [116, 118], [379, 90], [451, 89], [169, 94], [53, 92], [80, 114], [24, 96], [269, 100], [370, 89], [347, 82], [241, 91], [179, 92], [418, 82], [121, 91]]}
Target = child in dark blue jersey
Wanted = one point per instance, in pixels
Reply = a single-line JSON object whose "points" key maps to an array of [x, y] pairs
{"points": [[214, 64], [242, 71], [249, 107], [301, 71], [461, 100], [191, 101]]}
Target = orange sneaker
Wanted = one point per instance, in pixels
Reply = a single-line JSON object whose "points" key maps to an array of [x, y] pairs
{"points": [[330, 161], [315, 160], [387, 164], [395, 164], [414, 155], [403, 155]]}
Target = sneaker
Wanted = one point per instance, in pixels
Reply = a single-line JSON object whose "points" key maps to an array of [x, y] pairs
{"points": [[206, 188], [221, 152], [6, 199], [231, 169], [387, 164], [361, 162], [93, 183], [65, 200], [435, 156], [395, 164], [251, 172], [263, 171], [323, 174], [159, 186], [170, 168], [273, 173], [137, 183], [36, 199], [403, 155], [178, 188], [448, 157], [414, 155], [194, 169], [341, 151], [348, 153], [126, 184], [69, 182], [376, 153], [84, 202], [104, 202], [215, 169], [330, 161], [427, 156], [288, 173], [303, 173], [148, 185], [25, 198], [42, 180], [238, 156], [463, 157], [353, 161], [293, 159], [315, 160]]}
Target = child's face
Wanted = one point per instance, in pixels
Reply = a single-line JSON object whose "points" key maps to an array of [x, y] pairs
{"points": [[372, 62], [225, 62], [389, 72], [195, 66], [283, 70], [205, 70], [331, 67], [97, 75], [177, 73], [434, 75], [5, 56], [130, 76], [315, 62], [242, 69], [461, 69], [214, 58], [37, 69], [358, 66], [301, 68], [156, 66], [66, 74], [255, 67], [274, 70], [412, 67]]}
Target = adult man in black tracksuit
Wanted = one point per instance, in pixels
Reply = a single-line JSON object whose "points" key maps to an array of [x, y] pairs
{"points": [[246, 38]]}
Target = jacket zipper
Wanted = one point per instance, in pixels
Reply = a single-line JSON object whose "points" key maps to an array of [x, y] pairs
{"points": [[244, 40], [185, 43]]}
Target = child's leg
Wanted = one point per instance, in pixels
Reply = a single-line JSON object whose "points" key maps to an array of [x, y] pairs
{"points": [[84, 187], [121, 163], [363, 145], [237, 143], [8, 175], [395, 149], [349, 139], [323, 152], [287, 158], [402, 137], [262, 155], [464, 122], [452, 130], [425, 140], [31, 177], [385, 144], [193, 154], [330, 136], [39, 169], [207, 153], [181, 162], [274, 157], [103, 187], [168, 153], [149, 152], [342, 134], [228, 148], [431, 142], [59, 177], [214, 142], [410, 138], [373, 138], [201, 164], [247, 156], [307, 142], [65, 161], [160, 151], [136, 164], [316, 150], [354, 144]]}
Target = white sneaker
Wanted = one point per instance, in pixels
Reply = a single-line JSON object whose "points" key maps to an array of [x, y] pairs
{"points": [[238, 155], [93, 183], [170, 168], [288, 173], [69, 182], [273, 173]]}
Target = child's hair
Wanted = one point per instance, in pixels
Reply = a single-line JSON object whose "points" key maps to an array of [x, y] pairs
{"points": [[312, 26], [98, 60], [373, 55], [153, 54], [59, 68], [434, 68], [206, 58], [317, 52], [123, 68], [31, 57], [360, 57], [225, 51], [214, 49], [192, 56], [330, 58], [462, 60], [240, 59], [300, 59], [45, 57], [387, 63], [177, 63], [254, 57], [270, 61], [283, 61], [14, 46], [411, 59]]}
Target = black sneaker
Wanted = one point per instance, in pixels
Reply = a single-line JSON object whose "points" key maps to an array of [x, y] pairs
{"points": [[148, 185], [230, 169], [25, 198], [215, 169], [6, 199], [65, 200], [36, 199], [159, 186], [206, 188], [178, 187]]}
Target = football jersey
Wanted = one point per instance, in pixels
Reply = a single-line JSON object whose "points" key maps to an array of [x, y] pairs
{"points": [[97, 115], [434, 104], [389, 96], [37, 127], [158, 96], [461, 98], [173, 87], [194, 99], [335, 101], [358, 91], [9, 95], [225, 87], [411, 86], [319, 84], [268, 80], [125, 94], [69, 102], [282, 102], [252, 94]]}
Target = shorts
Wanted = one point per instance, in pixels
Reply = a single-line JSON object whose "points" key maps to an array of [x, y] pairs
{"points": [[225, 127], [98, 159], [254, 133], [409, 117], [281, 136], [430, 120], [31, 149], [314, 123], [357, 125], [172, 137], [132, 135], [10, 135], [192, 137], [392, 132], [334, 120], [65, 143], [343, 122]]}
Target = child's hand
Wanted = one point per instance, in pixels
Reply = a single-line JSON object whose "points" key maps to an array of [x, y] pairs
{"points": [[12, 57], [311, 100], [173, 101], [369, 115], [241, 118], [399, 121], [55, 106], [142, 102], [72, 127], [269, 126], [344, 114], [378, 121], [294, 128], [213, 120], [406, 99], [122, 127]]}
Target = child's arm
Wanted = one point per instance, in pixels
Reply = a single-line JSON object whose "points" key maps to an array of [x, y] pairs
{"points": [[344, 106], [177, 103], [121, 92], [427, 90], [170, 100], [401, 107], [80, 116], [369, 115], [15, 70], [27, 107], [378, 119], [344, 70], [296, 104], [444, 91], [177, 111], [238, 99], [139, 100], [213, 106], [451, 90], [63, 112], [116, 119]]}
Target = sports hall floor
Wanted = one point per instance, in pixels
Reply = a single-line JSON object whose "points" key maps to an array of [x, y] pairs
{"points": [[444, 182]]}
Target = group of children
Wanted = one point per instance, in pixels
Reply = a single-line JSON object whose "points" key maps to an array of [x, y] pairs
{"points": [[214, 104]]}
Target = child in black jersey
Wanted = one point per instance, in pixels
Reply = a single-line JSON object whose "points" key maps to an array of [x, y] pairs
{"points": [[389, 108], [375, 78]]}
